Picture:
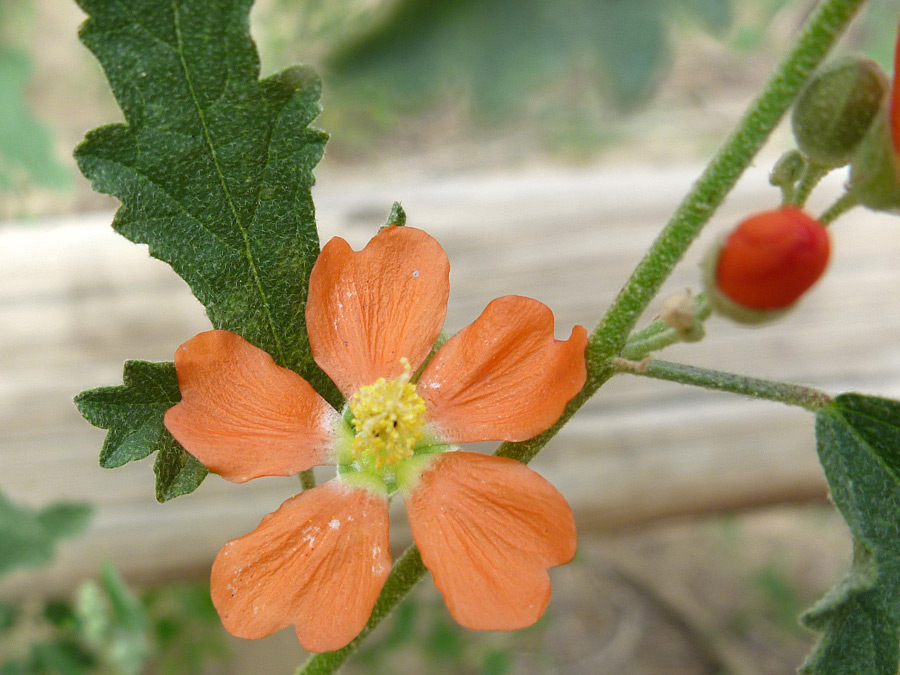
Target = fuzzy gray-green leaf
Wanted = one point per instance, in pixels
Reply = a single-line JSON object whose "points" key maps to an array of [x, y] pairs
{"points": [[860, 617], [213, 166]]}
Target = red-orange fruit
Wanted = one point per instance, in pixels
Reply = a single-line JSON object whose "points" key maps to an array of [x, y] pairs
{"points": [[772, 258]]}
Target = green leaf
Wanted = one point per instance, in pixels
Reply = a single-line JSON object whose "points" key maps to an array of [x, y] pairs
{"points": [[213, 166], [28, 538], [63, 657], [134, 412], [113, 623], [633, 44], [856, 438], [497, 52], [177, 472], [65, 520], [26, 147]]}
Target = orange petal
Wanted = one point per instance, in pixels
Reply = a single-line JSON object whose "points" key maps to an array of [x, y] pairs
{"points": [[503, 378], [895, 99], [488, 528], [369, 309], [318, 562], [242, 415]]}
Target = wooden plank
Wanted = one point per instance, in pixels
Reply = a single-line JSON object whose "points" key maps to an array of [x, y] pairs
{"points": [[76, 300]]}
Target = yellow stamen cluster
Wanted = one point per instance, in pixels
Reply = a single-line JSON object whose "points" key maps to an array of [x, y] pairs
{"points": [[388, 417]]}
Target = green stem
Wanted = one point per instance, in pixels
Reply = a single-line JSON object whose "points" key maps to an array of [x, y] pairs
{"points": [[817, 37], [846, 202], [611, 333], [790, 394], [810, 178]]}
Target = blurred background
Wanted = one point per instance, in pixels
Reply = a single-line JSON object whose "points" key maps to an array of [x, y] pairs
{"points": [[544, 144]]}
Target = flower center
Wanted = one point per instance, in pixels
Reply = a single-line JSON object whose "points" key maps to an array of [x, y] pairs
{"points": [[388, 417]]}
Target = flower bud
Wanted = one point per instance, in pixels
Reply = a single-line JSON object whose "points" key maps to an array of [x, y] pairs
{"points": [[837, 108], [759, 270], [788, 169], [875, 170], [679, 312]]}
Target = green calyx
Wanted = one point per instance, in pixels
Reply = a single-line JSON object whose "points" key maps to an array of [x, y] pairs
{"points": [[837, 108], [362, 470]]}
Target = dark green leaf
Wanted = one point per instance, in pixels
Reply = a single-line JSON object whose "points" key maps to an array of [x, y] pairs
{"points": [[860, 617], [213, 166], [60, 613], [133, 412], [60, 658], [26, 148], [177, 472], [26, 541]]}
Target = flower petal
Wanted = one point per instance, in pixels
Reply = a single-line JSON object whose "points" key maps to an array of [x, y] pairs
{"points": [[488, 528], [318, 562], [242, 415], [503, 378], [369, 309]]}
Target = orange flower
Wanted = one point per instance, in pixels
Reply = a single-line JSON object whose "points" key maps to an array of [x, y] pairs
{"points": [[488, 528]]}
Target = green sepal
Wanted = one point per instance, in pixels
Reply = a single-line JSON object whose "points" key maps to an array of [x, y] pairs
{"points": [[836, 109], [856, 438], [133, 412]]}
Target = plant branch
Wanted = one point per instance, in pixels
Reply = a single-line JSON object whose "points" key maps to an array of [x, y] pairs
{"points": [[611, 333], [782, 392], [817, 37]]}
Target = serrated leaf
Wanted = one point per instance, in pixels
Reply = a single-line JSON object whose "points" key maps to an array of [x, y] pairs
{"points": [[27, 540], [26, 147], [177, 472], [213, 165], [860, 616], [134, 412]]}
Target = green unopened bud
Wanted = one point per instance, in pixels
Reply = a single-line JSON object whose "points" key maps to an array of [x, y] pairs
{"points": [[874, 171], [837, 108], [787, 169]]}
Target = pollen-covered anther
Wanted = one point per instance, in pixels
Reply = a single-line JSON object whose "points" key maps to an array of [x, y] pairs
{"points": [[388, 418]]}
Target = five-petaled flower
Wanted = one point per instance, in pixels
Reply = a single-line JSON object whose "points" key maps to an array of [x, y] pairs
{"points": [[488, 528]]}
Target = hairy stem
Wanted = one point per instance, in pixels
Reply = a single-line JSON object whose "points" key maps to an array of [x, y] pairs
{"points": [[846, 202], [611, 333], [764, 113], [790, 394]]}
